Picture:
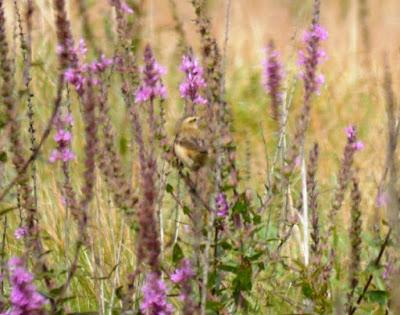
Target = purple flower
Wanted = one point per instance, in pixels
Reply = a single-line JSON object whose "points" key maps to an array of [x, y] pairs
{"points": [[79, 73], [272, 79], [184, 273], [126, 8], [194, 80], [222, 205], [20, 233], [152, 85], [155, 296], [63, 135], [24, 297], [359, 145], [317, 31], [311, 57], [63, 138], [381, 199], [351, 132]]}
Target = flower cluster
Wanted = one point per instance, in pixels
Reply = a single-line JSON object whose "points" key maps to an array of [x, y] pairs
{"points": [[311, 57], [272, 79], [351, 134], [155, 296], [78, 75], [24, 297], [183, 274], [63, 138], [152, 85], [182, 277], [20, 233], [222, 205], [194, 80]]}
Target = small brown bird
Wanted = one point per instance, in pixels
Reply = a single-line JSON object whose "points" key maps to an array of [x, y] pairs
{"points": [[189, 144]]}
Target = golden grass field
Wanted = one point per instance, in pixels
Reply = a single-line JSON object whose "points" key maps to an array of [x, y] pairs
{"points": [[352, 94]]}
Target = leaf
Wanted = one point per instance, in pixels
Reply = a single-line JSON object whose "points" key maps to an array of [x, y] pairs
{"points": [[243, 280], [169, 189], [307, 290], [378, 296], [177, 253], [225, 245], [229, 268], [123, 145], [214, 306], [239, 207], [3, 156], [186, 210], [256, 256], [5, 211]]}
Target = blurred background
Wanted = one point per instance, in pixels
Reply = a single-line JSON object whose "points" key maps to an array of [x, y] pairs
{"points": [[360, 33]]}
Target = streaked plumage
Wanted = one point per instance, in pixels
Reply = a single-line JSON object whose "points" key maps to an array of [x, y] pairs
{"points": [[190, 145]]}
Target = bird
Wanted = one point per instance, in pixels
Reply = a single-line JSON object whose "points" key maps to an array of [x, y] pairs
{"points": [[190, 143]]}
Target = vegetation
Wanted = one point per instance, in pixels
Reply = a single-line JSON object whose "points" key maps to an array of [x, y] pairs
{"points": [[156, 160]]}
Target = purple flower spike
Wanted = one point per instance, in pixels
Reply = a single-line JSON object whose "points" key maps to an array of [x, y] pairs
{"points": [[152, 85], [311, 57], [78, 74], [155, 296], [63, 138], [194, 81], [351, 134], [24, 297], [272, 79], [222, 205], [184, 273]]}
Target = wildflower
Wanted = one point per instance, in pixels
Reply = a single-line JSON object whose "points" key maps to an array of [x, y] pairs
{"points": [[272, 79], [222, 205], [63, 138], [126, 8], [183, 274], [24, 297], [155, 296], [20, 233], [351, 134], [78, 74], [152, 85], [311, 57], [194, 80]]}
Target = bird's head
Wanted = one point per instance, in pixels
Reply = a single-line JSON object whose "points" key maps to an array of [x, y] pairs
{"points": [[191, 123]]}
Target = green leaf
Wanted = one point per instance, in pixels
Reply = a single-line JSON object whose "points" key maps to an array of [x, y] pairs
{"points": [[177, 253], [225, 245], [5, 211], [243, 280], [214, 306], [123, 145], [169, 189], [239, 207], [378, 296], [3, 156], [186, 210], [229, 268], [307, 290]]}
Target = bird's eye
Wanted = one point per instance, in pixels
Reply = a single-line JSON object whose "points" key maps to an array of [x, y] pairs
{"points": [[192, 120]]}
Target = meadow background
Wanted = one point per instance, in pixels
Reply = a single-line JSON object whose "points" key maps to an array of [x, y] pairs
{"points": [[359, 41]]}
